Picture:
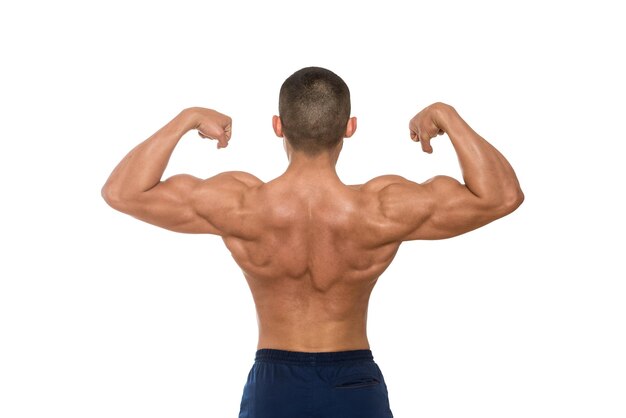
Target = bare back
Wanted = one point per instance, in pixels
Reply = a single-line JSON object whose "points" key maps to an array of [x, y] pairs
{"points": [[311, 258], [310, 247]]}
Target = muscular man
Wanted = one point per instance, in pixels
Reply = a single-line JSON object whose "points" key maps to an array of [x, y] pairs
{"points": [[310, 247]]}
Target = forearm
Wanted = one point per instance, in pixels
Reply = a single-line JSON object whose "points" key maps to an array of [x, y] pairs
{"points": [[486, 172], [143, 167]]}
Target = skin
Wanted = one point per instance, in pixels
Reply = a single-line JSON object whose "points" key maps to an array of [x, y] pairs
{"points": [[310, 247]]}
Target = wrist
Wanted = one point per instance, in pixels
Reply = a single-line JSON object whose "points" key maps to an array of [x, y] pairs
{"points": [[443, 113], [189, 118]]}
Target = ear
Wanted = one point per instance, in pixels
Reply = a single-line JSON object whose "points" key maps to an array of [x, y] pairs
{"points": [[277, 125], [350, 127]]}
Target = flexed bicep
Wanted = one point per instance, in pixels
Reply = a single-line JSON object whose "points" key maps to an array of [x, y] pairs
{"points": [[439, 208], [443, 207], [169, 205], [454, 210], [187, 204]]}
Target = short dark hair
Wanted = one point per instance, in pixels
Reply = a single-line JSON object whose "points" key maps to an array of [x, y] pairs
{"points": [[314, 108]]}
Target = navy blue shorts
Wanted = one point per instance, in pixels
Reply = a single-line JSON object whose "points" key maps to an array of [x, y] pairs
{"points": [[289, 384]]}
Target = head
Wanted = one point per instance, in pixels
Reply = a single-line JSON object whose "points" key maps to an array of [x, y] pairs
{"points": [[314, 109]]}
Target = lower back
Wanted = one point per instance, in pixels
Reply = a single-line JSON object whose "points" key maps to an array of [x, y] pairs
{"points": [[294, 316]]}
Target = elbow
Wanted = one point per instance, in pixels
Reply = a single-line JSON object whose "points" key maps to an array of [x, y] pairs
{"points": [[107, 195], [511, 200], [111, 197], [504, 202], [121, 202]]}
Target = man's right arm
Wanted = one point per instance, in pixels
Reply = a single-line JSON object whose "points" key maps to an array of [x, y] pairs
{"points": [[442, 207]]}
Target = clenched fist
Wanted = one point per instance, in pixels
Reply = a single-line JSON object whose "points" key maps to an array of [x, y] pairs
{"points": [[211, 124], [427, 124]]}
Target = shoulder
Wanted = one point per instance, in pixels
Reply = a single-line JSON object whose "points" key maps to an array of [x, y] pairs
{"points": [[386, 192], [403, 205], [389, 185], [224, 200], [228, 182], [394, 205], [393, 184], [379, 183], [395, 193], [225, 190], [234, 178]]}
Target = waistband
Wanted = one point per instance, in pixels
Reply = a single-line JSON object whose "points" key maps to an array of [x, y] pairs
{"points": [[282, 356]]}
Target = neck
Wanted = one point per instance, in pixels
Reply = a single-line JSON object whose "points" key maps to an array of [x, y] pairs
{"points": [[316, 167]]}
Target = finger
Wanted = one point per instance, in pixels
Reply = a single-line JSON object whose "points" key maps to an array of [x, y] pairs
{"points": [[425, 141], [222, 140], [414, 136]]}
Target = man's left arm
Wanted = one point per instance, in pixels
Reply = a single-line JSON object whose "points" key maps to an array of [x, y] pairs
{"points": [[135, 187]]}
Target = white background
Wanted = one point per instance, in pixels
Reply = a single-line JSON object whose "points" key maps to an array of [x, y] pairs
{"points": [[104, 316]]}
